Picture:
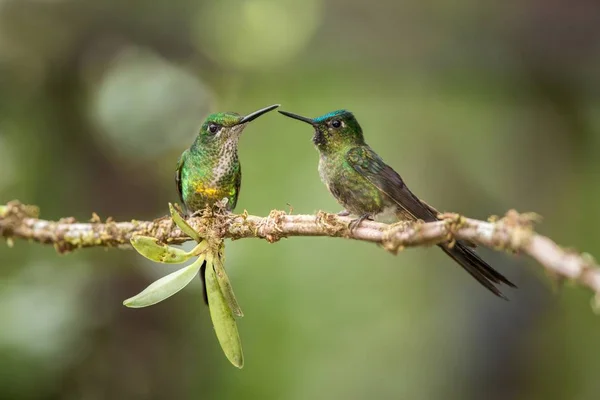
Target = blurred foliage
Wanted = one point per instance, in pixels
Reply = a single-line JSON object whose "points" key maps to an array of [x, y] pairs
{"points": [[481, 106]]}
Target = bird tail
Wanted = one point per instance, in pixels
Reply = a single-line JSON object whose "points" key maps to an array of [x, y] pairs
{"points": [[201, 275], [476, 267], [215, 260]]}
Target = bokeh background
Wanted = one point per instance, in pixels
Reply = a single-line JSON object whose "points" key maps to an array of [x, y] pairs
{"points": [[481, 106]]}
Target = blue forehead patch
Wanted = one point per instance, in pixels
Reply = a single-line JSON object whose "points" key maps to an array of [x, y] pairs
{"points": [[331, 114]]}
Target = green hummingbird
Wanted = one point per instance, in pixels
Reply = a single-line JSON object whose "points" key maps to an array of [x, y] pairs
{"points": [[367, 187], [210, 170]]}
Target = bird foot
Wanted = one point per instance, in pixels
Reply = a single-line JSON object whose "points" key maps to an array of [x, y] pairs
{"points": [[355, 223], [343, 213]]}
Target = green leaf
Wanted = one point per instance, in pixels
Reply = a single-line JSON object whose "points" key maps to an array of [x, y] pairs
{"points": [[184, 226], [152, 250], [222, 318], [165, 287], [226, 287]]}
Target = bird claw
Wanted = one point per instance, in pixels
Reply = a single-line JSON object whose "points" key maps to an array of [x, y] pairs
{"points": [[355, 223]]}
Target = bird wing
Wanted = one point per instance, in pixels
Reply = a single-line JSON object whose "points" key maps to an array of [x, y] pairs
{"points": [[178, 175], [369, 165], [238, 186]]}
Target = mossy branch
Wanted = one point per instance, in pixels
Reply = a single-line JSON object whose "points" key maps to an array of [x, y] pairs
{"points": [[513, 233]]}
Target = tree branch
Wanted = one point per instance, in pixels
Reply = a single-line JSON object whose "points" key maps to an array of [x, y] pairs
{"points": [[514, 233]]}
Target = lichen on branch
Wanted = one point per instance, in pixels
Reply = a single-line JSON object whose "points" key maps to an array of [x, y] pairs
{"points": [[513, 233]]}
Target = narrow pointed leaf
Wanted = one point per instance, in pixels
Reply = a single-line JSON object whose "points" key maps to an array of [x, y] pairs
{"points": [[222, 318], [199, 248], [184, 226], [226, 288], [152, 250], [165, 287]]}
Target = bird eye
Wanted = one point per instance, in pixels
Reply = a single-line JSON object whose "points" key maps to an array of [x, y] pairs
{"points": [[336, 123], [213, 128]]}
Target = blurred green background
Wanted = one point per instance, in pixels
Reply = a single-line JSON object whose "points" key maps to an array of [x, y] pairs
{"points": [[481, 106]]}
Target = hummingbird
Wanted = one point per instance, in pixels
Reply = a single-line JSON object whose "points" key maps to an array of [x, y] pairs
{"points": [[367, 187], [210, 170]]}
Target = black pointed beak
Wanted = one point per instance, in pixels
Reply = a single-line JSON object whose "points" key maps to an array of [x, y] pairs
{"points": [[298, 117], [256, 114]]}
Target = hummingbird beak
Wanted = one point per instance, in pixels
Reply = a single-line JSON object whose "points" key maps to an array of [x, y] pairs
{"points": [[256, 114], [298, 117]]}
